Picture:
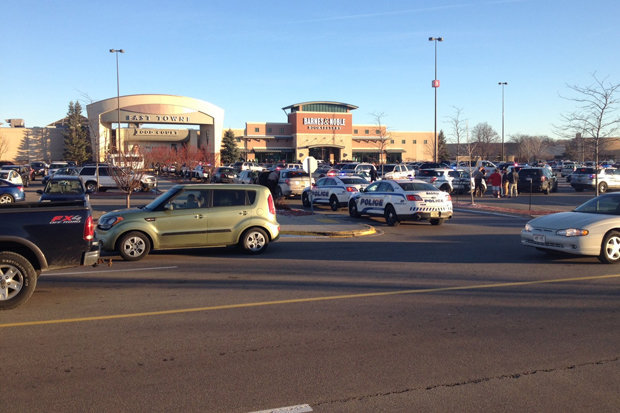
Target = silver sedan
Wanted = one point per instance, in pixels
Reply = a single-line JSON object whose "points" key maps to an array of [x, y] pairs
{"points": [[591, 229]]}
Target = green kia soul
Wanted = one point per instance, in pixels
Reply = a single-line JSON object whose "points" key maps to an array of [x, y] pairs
{"points": [[193, 216]]}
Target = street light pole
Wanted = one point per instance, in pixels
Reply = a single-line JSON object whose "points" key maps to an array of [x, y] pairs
{"points": [[118, 98], [435, 86], [502, 84]]}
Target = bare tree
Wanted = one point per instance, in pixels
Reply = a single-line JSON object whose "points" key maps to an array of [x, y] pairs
{"points": [[127, 170], [596, 116], [485, 137], [459, 130], [531, 148], [383, 139]]}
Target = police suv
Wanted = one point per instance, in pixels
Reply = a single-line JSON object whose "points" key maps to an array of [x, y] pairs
{"points": [[333, 191], [400, 200]]}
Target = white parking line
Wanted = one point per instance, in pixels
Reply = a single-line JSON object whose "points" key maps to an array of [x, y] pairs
{"points": [[300, 408], [119, 270]]}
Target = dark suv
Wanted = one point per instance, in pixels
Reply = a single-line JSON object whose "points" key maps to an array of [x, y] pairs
{"points": [[537, 180]]}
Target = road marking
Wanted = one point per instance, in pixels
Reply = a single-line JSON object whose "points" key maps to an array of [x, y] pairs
{"points": [[301, 408], [305, 300], [106, 271]]}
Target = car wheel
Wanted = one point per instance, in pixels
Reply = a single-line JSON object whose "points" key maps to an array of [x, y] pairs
{"points": [[353, 212], [610, 249], [437, 221], [278, 192], [254, 240], [602, 187], [134, 246], [18, 280], [6, 199], [333, 203], [305, 200], [390, 216], [91, 186]]}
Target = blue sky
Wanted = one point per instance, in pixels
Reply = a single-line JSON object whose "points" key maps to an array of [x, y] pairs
{"points": [[253, 58]]}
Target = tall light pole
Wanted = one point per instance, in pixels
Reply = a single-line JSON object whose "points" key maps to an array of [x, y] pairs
{"points": [[435, 86], [502, 84], [118, 99]]}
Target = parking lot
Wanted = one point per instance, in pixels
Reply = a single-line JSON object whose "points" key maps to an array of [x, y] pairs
{"points": [[457, 317]]}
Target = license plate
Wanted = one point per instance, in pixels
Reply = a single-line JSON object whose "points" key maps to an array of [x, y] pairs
{"points": [[434, 214], [539, 238]]}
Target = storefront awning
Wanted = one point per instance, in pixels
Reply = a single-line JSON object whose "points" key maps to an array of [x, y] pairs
{"points": [[395, 150], [275, 149], [365, 150]]}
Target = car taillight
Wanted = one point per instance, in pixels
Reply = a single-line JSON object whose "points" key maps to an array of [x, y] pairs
{"points": [[287, 181], [89, 229], [272, 206], [20, 188], [351, 189], [433, 179], [449, 197], [542, 179], [414, 198]]}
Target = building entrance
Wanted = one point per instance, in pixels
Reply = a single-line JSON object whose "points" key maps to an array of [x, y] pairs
{"points": [[326, 153]]}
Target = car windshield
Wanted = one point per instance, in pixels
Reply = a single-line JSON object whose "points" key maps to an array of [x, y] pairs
{"points": [[162, 199], [606, 205], [417, 186], [530, 172]]}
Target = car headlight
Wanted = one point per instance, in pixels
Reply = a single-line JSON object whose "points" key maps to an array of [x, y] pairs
{"points": [[572, 232], [528, 227], [105, 223]]}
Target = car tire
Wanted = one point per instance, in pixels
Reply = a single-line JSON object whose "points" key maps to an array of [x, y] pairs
{"points": [[134, 246], [18, 280], [333, 203], [390, 216], [610, 248], [254, 241], [6, 199], [437, 221], [305, 200], [278, 192], [602, 187], [91, 186], [353, 212]]}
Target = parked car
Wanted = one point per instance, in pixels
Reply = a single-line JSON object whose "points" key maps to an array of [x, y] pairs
{"points": [[292, 182], [56, 165], [10, 192], [224, 174], [201, 173], [402, 200], [567, 169], [247, 176], [12, 176], [395, 171], [585, 178], [68, 188], [193, 216], [537, 180], [24, 171], [62, 172], [592, 228], [447, 180], [39, 169], [100, 178], [242, 166], [354, 168], [333, 191]]}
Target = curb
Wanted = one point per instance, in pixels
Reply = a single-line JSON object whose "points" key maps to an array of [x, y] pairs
{"points": [[369, 230], [500, 210]]}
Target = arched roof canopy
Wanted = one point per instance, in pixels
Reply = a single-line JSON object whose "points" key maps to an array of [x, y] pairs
{"points": [[320, 106]]}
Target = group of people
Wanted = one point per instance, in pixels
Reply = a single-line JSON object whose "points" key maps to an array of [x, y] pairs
{"points": [[503, 183]]}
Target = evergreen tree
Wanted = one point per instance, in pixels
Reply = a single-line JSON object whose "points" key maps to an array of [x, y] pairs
{"points": [[229, 153], [76, 135], [442, 148]]}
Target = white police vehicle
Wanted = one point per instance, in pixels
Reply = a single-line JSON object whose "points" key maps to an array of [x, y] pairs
{"points": [[402, 200], [333, 191]]}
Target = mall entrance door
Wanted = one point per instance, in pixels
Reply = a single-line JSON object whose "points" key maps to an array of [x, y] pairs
{"points": [[326, 153]]}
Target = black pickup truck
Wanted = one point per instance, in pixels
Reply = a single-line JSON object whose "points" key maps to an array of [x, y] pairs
{"points": [[35, 237]]}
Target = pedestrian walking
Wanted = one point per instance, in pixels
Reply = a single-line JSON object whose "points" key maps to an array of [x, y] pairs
{"points": [[505, 183], [478, 178]]}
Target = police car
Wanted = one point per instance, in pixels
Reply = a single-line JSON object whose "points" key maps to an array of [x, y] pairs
{"points": [[400, 200], [333, 191]]}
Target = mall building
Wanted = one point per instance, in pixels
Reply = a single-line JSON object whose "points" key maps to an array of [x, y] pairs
{"points": [[322, 129]]}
